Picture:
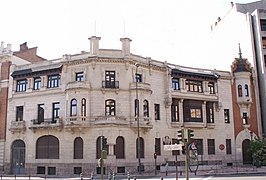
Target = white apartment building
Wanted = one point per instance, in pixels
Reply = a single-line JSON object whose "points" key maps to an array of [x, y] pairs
{"points": [[61, 112]]}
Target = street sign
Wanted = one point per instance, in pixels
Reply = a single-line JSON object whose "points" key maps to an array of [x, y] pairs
{"points": [[172, 147]]}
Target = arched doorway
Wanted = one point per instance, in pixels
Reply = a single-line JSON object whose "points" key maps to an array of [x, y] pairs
{"points": [[247, 157], [18, 157]]}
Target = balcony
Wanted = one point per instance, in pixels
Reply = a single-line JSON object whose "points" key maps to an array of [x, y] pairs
{"points": [[78, 85], [48, 123], [17, 126], [194, 124], [110, 84], [144, 124], [184, 94], [77, 122], [141, 86], [111, 120]]}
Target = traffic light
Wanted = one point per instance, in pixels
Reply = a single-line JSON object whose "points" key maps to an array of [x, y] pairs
{"points": [[155, 156], [190, 134], [180, 134], [157, 149]]}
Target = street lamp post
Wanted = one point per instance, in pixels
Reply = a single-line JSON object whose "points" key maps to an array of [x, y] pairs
{"points": [[137, 118]]}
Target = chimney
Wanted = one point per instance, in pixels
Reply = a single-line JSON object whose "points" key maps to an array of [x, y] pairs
{"points": [[125, 46], [23, 47], [8, 47], [94, 45]]}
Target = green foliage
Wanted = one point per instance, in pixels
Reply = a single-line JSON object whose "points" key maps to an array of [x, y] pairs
{"points": [[258, 150]]}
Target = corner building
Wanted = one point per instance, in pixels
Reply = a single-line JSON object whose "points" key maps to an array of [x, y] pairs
{"points": [[61, 113]]}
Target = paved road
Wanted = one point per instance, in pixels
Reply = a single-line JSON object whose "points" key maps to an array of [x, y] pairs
{"points": [[216, 177]]}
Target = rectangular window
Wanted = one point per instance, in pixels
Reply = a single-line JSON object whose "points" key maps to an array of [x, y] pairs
{"points": [[195, 113], [40, 117], [245, 118], [210, 112], [228, 146], [157, 111], [77, 170], [211, 88], [211, 146], [226, 116], [79, 76], [192, 111], [40, 169], [175, 110], [264, 42], [193, 86], [53, 81], [56, 111], [263, 24], [157, 146], [110, 79], [51, 170], [138, 78], [37, 83], [21, 85], [199, 145], [19, 113], [175, 84]]}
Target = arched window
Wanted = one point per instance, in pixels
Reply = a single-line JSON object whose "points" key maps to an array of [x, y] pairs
{"points": [[110, 107], [47, 147], [83, 108], [246, 90], [239, 90], [145, 108], [101, 144], [119, 149], [136, 105], [141, 149], [78, 148], [73, 107]]}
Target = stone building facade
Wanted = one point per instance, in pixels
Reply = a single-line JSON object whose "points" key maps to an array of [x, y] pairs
{"points": [[62, 112]]}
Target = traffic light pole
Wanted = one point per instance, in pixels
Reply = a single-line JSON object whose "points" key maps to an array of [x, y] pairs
{"points": [[176, 168], [101, 160], [186, 162]]}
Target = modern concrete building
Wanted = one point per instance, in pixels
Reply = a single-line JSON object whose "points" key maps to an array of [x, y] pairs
{"points": [[245, 24], [62, 112]]}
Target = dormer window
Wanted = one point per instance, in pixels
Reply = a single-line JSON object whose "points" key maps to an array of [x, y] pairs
{"points": [[239, 90]]}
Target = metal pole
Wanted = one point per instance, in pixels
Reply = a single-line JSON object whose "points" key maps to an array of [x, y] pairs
{"points": [[101, 160], [176, 168], [137, 117], [186, 148]]}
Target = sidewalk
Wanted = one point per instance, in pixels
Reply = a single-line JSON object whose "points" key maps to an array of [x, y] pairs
{"points": [[220, 171]]}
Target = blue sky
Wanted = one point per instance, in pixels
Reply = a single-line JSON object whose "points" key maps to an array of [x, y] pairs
{"points": [[166, 30]]}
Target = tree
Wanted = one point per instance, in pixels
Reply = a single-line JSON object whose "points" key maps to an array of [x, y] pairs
{"points": [[258, 150]]}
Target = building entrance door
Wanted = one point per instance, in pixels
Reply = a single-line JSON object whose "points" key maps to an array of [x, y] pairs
{"points": [[247, 159], [18, 157]]}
